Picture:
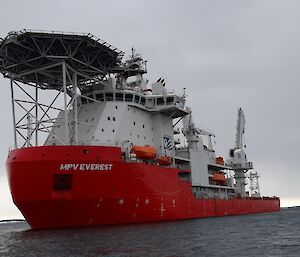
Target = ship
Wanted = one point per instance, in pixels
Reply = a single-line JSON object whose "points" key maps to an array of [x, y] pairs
{"points": [[95, 143]]}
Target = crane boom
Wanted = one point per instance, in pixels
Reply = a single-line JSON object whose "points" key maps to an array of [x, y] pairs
{"points": [[240, 129]]}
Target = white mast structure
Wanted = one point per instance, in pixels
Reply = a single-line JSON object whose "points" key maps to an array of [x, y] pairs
{"points": [[237, 156]]}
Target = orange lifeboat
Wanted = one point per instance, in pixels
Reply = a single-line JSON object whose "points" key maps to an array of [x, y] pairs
{"points": [[144, 152], [164, 160], [219, 177], [220, 161]]}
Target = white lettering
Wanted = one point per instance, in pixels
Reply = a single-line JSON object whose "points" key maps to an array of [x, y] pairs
{"points": [[63, 166], [86, 166]]}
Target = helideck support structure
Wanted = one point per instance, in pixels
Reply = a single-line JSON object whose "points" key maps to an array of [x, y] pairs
{"points": [[66, 63]]}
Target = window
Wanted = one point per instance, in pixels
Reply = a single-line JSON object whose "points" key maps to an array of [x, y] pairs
{"points": [[143, 100], [160, 101], [99, 97], [109, 96], [114, 119], [83, 100], [136, 99], [170, 100], [90, 96], [134, 123], [108, 118], [119, 97], [128, 97]]}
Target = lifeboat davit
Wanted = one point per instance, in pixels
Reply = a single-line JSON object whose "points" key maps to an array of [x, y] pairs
{"points": [[219, 177], [164, 160], [144, 152]]}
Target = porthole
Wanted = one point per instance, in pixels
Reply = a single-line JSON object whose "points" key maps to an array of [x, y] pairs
{"points": [[113, 131], [108, 118], [114, 119], [134, 123], [143, 125], [102, 130]]}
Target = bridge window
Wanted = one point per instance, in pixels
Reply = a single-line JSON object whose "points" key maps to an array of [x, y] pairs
{"points": [[99, 97], [160, 101], [143, 100], [170, 100], [128, 97], [83, 100], [109, 96], [90, 100], [136, 99], [119, 97]]}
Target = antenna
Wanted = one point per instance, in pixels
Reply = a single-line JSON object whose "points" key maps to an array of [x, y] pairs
{"points": [[132, 51]]}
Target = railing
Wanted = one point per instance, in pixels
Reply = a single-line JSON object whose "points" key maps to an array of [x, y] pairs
{"points": [[55, 32]]}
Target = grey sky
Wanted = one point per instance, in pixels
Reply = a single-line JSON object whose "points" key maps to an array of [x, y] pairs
{"points": [[226, 53]]}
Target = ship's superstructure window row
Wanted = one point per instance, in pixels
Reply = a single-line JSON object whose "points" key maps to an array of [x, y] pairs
{"points": [[147, 101]]}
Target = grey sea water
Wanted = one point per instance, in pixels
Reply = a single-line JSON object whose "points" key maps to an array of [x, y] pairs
{"points": [[269, 234]]}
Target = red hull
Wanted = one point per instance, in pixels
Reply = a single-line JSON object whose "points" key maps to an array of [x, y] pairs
{"points": [[119, 192]]}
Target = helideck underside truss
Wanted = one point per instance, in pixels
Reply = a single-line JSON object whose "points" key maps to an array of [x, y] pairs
{"points": [[69, 63]]}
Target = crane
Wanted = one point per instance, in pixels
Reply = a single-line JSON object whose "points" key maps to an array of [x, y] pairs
{"points": [[237, 157]]}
